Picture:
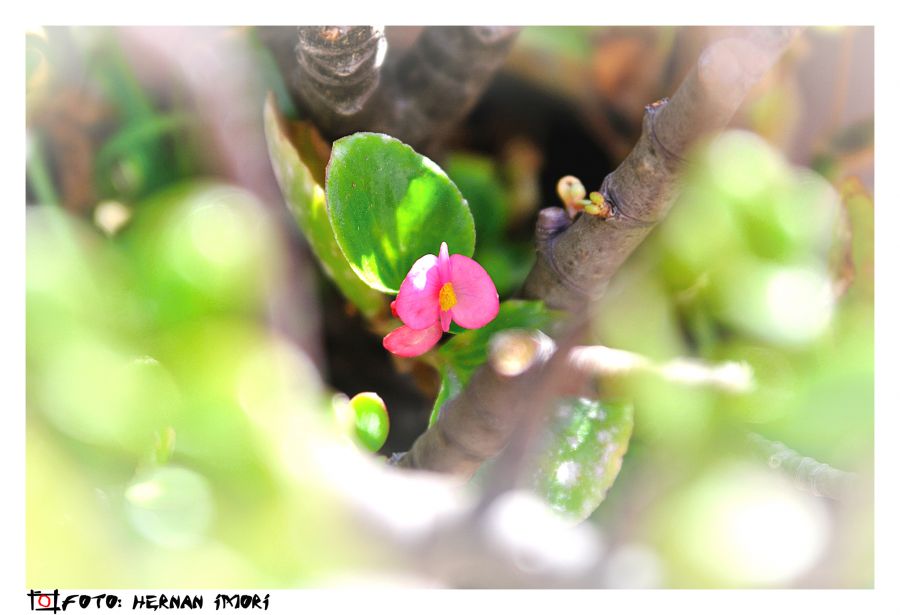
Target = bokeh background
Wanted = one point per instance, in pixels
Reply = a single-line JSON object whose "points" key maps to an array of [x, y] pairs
{"points": [[183, 346]]}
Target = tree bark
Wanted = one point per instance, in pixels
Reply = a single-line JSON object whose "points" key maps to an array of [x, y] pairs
{"points": [[347, 81], [576, 263]]}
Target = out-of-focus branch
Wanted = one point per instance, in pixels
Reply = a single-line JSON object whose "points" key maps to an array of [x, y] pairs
{"points": [[729, 376], [808, 474], [477, 424], [430, 523], [347, 82], [575, 263]]}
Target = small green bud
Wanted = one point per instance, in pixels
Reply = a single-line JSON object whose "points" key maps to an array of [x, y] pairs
{"points": [[571, 191], [365, 417]]}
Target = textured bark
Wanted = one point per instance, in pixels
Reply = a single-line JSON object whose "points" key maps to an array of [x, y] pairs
{"points": [[346, 80], [439, 80], [475, 425], [575, 264], [337, 73]]}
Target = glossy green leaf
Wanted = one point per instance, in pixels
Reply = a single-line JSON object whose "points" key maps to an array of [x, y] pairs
{"points": [[306, 200], [582, 454], [466, 352], [389, 206]]}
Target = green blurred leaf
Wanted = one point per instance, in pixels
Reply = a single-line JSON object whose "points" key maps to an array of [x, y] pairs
{"points": [[164, 446], [508, 264], [270, 73], [36, 55], [477, 179], [136, 135], [467, 351], [170, 506], [582, 454], [296, 174], [201, 248], [38, 173], [785, 305], [143, 163], [389, 206]]}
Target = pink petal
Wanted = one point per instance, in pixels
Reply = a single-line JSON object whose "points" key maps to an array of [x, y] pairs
{"points": [[477, 302], [444, 263], [407, 342], [418, 301], [446, 317]]}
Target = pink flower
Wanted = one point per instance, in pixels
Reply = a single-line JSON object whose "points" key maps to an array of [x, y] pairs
{"points": [[438, 290]]}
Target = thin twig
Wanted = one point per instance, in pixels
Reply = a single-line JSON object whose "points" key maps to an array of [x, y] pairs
{"points": [[808, 474], [729, 376]]}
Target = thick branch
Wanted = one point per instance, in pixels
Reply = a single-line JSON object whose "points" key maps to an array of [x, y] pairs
{"points": [[476, 425], [347, 82], [575, 264], [337, 73], [440, 79]]}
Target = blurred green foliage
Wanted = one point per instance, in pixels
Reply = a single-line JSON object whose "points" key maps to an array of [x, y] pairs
{"points": [[171, 432], [163, 415], [767, 264], [506, 260]]}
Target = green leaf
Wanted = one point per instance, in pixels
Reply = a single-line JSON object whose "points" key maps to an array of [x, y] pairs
{"points": [[508, 264], [389, 206], [466, 352], [143, 163], [450, 388], [477, 179], [306, 200], [136, 135], [582, 454]]}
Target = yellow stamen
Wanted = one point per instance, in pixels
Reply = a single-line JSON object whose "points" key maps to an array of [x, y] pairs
{"points": [[447, 297]]}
